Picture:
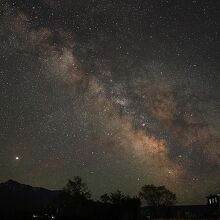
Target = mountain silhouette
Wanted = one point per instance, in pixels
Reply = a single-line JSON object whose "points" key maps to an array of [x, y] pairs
{"points": [[17, 197]]}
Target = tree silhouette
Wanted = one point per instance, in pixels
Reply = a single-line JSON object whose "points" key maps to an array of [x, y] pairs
{"points": [[77, 189], [105, 198], [114, 198], [75, 198], [123, 206], [157, 196]]}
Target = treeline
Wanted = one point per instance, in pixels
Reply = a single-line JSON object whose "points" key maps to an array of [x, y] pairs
{"points": [[75, 202]]}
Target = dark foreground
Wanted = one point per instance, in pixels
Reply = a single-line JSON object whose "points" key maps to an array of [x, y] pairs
{"points": [[115, 213], [24, 202]]}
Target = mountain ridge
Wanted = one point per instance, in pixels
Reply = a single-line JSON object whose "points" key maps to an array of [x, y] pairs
{"points": [[15, 196], [13, 183]]}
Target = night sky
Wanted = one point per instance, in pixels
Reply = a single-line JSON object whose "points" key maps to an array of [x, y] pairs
{"points": [[122, 93]]}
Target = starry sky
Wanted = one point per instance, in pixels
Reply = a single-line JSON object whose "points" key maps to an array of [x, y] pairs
{"points": [[122, 93]]}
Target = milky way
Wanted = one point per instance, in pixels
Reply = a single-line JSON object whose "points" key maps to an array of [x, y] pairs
{"points": [[121, 93]]}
